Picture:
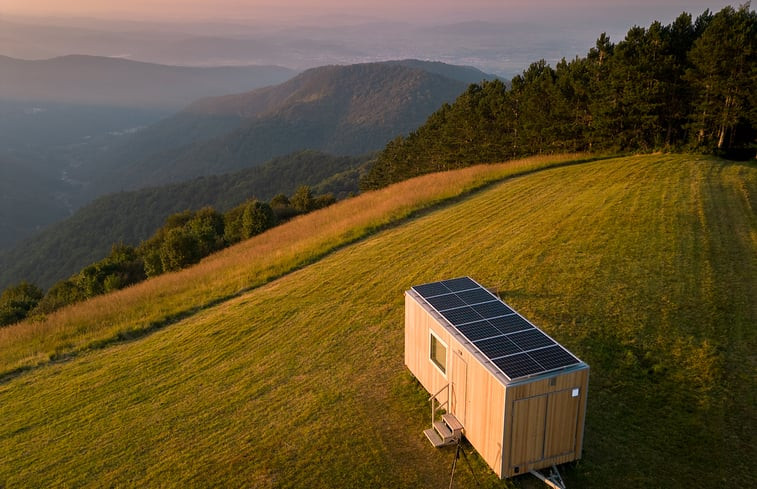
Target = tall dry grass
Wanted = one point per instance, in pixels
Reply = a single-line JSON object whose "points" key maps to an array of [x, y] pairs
{"points": [[136, 310]]}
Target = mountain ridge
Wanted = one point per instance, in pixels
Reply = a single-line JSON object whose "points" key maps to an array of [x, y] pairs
{"points": [[343, 110], [112, 81]]}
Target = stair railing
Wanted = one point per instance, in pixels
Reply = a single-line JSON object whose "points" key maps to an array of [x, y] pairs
{"points": [[433, 399]]}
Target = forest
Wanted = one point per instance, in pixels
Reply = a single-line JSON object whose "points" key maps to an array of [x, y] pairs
{"points": [[687, 86]]}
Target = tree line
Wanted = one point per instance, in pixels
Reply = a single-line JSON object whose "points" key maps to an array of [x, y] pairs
{"points": [[184, 239], [690, 85]]}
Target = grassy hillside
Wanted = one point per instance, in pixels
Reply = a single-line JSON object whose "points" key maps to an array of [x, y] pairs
{"points": [[644, 266], [151, 305]]}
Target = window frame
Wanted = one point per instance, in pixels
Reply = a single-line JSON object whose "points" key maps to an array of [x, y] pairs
{"points": [[441, 368]]}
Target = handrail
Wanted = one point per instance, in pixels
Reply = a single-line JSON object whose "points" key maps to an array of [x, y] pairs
{"points": [[433, 398], [439, 391]]}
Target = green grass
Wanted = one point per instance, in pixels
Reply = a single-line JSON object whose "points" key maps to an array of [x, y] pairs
{"points": [[645, 267], [149, 306]]}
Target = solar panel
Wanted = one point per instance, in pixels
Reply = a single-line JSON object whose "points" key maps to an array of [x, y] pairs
{"points": [[430, 290], [461, 315], [446, 301], [476, 296], [503, 336], [492, 309], [510, 323], [519, 365], [462, 283], [478, 330], [496, 347], [553, 357], [530, 339]]}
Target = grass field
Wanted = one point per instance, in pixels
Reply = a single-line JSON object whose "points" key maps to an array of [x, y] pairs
{"points": [[645, 267], [146, 307]]}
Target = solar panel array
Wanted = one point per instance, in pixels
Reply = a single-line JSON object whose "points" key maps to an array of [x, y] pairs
{"points": [[515, 346]]}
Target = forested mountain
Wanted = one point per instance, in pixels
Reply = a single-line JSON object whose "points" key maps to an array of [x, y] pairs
{"points": [[687, 85], [345, 110], [82, 150], [117, 82], [58, 115], [130, 217]]}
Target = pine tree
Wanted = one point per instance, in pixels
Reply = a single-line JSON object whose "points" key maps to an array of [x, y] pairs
{"points": [[722, 77]]}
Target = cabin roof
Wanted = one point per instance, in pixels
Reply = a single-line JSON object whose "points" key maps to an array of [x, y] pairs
{"points": [[507, 343]]}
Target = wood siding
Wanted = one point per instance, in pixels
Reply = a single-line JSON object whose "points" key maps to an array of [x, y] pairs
{"points": [[418, 324], [551, 433], [481, 413]]}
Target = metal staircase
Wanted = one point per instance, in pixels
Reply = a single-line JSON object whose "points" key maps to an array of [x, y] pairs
{"points": [[445, 431]]}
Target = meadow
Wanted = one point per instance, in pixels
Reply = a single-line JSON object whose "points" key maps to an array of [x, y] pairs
{"points": [[285, 368], [163, 300]]}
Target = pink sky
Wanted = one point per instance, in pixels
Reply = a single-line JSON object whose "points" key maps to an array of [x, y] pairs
{"points": [[262, 10]]}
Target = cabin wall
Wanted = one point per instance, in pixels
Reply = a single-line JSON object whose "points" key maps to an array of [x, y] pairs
{"points": [[418, 323], [544, 422], [482, 418], [477, 398]]}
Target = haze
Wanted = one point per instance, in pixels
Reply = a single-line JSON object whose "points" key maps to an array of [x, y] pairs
{"points": [[638, 11], [497, 36]]}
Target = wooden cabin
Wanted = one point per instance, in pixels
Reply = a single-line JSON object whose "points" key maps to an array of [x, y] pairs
{"points": [[517, 395]]}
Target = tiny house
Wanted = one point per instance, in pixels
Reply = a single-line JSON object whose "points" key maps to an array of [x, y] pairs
{"points": [[517, 395]]}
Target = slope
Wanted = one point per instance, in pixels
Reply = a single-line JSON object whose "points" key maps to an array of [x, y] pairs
{"points": [[131, 217], [644, 266], [345, 110]]}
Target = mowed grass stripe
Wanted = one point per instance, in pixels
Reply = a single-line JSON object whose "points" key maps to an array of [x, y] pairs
{"points": [[300, 383]]}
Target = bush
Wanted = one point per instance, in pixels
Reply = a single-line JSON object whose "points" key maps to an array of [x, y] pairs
{"points": [[256, 218], [16, 302]]}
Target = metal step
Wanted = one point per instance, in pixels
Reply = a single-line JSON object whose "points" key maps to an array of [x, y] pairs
{"points": [[444, 431], [453, 423], [434, 438]]}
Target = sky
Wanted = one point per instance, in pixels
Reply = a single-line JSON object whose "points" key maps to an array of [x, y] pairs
{"points": [[413, 10]]}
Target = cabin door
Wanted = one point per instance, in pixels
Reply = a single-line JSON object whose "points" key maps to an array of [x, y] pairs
{"points": [[459, 387], [544, 426], [562, 423], [529, 417]]}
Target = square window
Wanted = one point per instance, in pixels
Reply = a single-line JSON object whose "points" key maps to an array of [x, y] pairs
{"points": [[438, 353]]}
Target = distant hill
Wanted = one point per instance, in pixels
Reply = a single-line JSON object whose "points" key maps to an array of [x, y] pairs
{"points": [[465, 74], [116, 82], [130, 217], [57, 114], [84, 150], [365, 83], [345, 110]]}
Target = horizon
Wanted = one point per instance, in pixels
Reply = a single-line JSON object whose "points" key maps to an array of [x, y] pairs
{"points": [[512, 35], [303, 11]]}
